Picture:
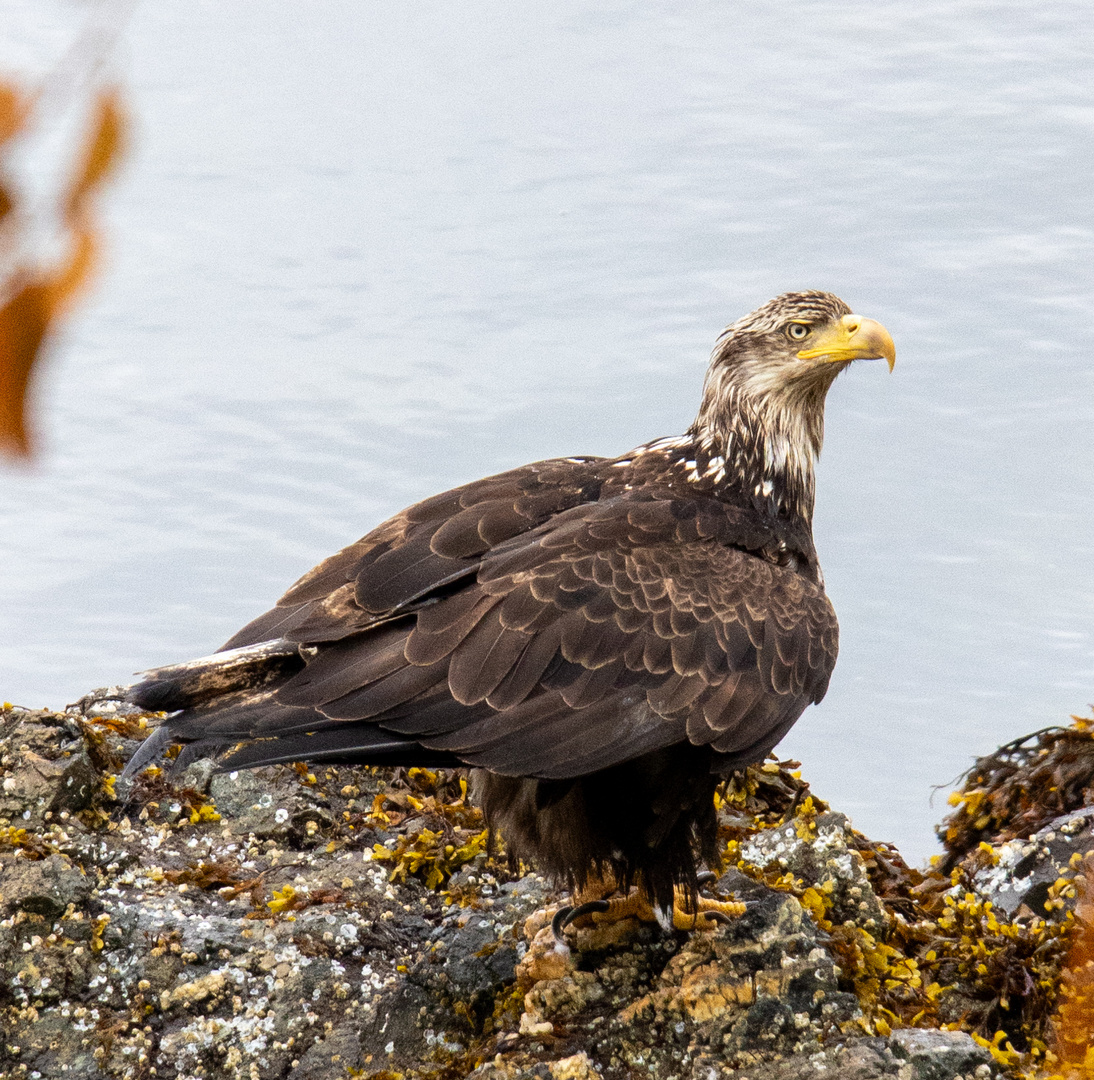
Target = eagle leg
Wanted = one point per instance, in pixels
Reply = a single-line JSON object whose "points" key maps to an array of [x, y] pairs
{"points": [[705, 915]]}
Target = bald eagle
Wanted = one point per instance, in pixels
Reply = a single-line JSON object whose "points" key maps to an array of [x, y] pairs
{"points": [[600, 639]]}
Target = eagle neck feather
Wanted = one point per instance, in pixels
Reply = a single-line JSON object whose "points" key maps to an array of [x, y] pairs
{"points": [[769, 436]]}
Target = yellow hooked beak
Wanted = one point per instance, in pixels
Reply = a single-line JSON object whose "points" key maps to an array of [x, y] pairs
{"points": [[852, 338]]}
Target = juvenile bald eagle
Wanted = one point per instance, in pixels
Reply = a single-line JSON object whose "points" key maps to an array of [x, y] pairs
{"points": [[602, 639]]}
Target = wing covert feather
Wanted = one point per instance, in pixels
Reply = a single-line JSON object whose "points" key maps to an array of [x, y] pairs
{"points": [[510, 620]]}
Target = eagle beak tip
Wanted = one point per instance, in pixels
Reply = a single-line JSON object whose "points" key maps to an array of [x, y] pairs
{"points": [[873, 339], [854, 338]]}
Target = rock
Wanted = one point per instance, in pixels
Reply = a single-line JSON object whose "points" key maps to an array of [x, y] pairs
{"points": [[449, 996], [46, 1047], [1024, 871], [398, 1030], [105, 701], [546, 958], [45, 766], [43, 887], [285, 930], [940, 1055], [576, 1067], [761, 986], [268, 803], [470, 968], [331, 1058], [194, 992], [818, 851], [858, 1059]]}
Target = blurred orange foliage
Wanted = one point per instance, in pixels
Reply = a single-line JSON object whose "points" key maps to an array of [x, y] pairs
{"points": [[1073, 1025], [34, 296]]}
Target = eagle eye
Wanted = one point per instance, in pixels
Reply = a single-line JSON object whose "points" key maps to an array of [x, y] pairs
{"points": [[797, 331]]}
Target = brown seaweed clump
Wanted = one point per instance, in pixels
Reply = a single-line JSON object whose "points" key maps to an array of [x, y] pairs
{"points": [[1021, 788]]}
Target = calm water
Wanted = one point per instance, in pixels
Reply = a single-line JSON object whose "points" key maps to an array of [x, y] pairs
{"points": [[362, 252]]}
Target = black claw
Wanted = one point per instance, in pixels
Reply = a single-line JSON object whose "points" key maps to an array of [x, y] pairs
{"points": [[589, 908], [565, 916], [562, 916], [705, 878], [718, 916]]}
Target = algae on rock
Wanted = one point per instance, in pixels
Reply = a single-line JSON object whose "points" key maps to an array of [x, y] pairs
{"points": [[326, 923]]}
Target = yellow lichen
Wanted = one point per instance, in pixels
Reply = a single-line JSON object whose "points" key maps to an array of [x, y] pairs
{"points": [[284, 900], [204, 812], [424, 854]]}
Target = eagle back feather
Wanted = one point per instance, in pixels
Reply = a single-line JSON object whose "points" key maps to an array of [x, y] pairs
{"points": [[558, 619]]}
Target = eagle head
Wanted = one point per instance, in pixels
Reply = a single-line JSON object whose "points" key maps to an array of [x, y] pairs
{"points": [[797, 344], [763, 399]]}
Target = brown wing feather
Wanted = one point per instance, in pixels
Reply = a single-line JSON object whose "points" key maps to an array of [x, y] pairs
{"points": [[539, 632], [375, 699], [500, 507], [528, 669], [483, 659]]}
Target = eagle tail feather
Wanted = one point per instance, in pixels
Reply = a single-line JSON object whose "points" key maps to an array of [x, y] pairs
{"points": [[185, 686], [353, 744]]}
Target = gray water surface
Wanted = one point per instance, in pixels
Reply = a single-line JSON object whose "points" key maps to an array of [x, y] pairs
{"points": [[362, 252]]}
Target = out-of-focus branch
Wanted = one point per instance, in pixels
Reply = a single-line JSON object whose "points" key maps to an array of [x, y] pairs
{"points": [[36, 285]]}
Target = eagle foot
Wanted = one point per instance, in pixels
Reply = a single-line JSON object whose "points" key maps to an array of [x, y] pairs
{"points": [[636, 905]]}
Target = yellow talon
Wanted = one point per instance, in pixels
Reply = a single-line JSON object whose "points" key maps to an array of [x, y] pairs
{"points": [[706, 915]]}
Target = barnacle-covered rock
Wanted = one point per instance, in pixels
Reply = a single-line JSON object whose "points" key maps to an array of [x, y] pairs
{"points": [[1036, 877], [270, 804], [816, 850], [41, 886], [45, 768], [473, 955], [764, 984], [322, 923], [939, 1055], [761, 987], [335, 1056]]}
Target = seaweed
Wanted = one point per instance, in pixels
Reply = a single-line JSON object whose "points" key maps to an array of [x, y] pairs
{"points": [[1019, 788]]}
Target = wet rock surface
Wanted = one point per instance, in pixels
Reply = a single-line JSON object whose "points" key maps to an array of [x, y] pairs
{"points": [[935, 1055], [1022, 875], [318, 925]]}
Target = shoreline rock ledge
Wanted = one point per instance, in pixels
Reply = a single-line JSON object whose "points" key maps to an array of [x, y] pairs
{"points": [[299, 924]]}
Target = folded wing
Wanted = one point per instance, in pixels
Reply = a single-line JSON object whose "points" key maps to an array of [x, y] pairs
{"points": [[534, 624]]}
